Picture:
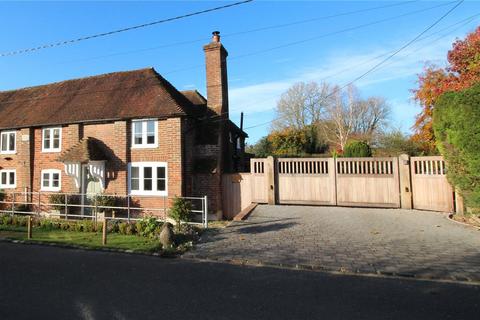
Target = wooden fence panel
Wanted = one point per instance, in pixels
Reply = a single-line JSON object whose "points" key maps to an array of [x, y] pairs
{"points": [[431, 190], [369, 182], [306, 181], [258, 180], [237, 193]]}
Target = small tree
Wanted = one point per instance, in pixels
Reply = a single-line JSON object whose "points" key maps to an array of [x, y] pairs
{"points": [[181, 211], [355, 149]]}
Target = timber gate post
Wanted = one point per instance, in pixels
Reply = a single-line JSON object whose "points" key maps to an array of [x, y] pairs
{"points": [[405, 182], [270, 179]]}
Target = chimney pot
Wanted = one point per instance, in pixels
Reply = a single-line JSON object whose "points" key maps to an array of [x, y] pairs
{"points": [[216, 36]]}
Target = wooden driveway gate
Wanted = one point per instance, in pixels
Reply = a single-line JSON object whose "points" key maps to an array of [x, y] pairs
{"points": [[417, 182], [368, 182], [431, 190], [306, 181]]}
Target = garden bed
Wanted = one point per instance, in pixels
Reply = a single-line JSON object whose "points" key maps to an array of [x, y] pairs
{"points": [[470, 219], [140, 236]]}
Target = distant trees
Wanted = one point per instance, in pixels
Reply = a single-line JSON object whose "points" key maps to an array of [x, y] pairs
{"points": [[310, 116], [395, 143], [462, 72]]}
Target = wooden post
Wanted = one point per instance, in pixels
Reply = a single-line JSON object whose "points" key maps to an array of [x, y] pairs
{"points": [[406, 197], [29, 227], [459, 204], [104, 232], [270, 180]]}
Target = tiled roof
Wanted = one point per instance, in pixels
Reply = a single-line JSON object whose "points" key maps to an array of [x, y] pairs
{"points": [[195, 97], [85, 150], [113, 96]]}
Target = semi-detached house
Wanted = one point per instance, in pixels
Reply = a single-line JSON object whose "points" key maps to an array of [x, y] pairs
{"points": [[125, 133]]}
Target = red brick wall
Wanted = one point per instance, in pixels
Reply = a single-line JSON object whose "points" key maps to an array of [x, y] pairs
{"points": [[20, 161], [47, 160]]}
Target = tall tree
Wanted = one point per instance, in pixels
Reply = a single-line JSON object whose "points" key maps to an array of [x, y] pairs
{"points": [[301, 105], [462, 71], [351, 116], [338, 114]]}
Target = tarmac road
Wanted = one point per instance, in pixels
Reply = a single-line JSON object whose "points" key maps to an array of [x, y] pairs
{"points": [[42, 282]]}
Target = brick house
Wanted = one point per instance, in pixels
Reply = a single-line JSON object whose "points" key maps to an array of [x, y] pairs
{"points": [[126, 133]]}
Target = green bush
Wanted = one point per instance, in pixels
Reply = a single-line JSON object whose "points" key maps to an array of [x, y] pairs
{"points": [[357, 149], [181, 210], [148, 227], [456, 123], [58, 200], [105, 201]]}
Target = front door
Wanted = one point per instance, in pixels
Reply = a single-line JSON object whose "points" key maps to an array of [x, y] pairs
{"points": [[91, 186]]}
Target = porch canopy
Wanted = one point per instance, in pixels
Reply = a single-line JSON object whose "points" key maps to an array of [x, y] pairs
{"points": [[88, 152]]}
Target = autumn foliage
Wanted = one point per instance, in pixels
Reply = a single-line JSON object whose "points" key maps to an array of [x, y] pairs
{"points": [[462, 72]]}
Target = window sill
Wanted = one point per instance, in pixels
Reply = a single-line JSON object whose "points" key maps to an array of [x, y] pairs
{"points": [[148, 146], [148, 194], [7, 187], [51, 189], [8, 152], [51, 151]]}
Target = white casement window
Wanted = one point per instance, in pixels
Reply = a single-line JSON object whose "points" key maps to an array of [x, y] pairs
{"points": [[144, 133], [52, 139], [148, 178], [8, 179], [8, 142], [51, 180]]}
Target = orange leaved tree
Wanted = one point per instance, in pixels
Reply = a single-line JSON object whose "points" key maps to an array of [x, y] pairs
{"points": [[462, 71]]}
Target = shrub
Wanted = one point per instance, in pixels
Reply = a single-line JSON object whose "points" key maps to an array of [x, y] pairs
{"points": [[181, 210], [147, 227], [22, 208], [356, 149], [456, 123], [105, 201], [58, 200]]}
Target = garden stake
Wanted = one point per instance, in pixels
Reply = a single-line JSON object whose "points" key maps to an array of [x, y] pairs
{"points": [[29, 228], [104, 232]]}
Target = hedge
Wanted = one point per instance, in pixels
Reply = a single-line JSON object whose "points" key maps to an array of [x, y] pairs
{"points": [[456, 124]]}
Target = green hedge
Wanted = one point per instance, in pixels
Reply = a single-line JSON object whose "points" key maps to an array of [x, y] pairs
{"points": [[357, 149], [148, 227], [456, 123]]}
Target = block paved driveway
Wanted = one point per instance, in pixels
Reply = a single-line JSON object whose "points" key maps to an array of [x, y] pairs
{"points": [[386, 241]]}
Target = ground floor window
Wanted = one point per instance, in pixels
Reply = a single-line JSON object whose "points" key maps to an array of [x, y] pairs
{"points": [[148, 178], [8, 179], [51, 180]]}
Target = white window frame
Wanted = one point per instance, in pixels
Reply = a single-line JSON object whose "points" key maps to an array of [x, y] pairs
{"points": [[50, 173], [8, 185], [7, 134], [144, 144], [52, 149], [141, 166]]}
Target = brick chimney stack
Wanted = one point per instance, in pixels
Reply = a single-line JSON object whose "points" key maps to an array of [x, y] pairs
{"points": [[217, 83]]}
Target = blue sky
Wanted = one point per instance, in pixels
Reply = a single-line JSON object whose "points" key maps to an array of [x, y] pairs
{"points": [[258, 73]]}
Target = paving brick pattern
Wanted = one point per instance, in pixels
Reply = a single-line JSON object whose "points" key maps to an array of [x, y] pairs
{"points": [[386, 241]]}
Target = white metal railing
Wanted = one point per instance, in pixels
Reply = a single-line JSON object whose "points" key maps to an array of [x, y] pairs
{"points": [[36, 206]]}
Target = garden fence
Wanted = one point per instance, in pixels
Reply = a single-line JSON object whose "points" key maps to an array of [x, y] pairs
{"points": [[95, 206]]}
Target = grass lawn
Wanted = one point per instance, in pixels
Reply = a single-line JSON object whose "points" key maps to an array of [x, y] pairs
{"points": [[86, 239]]}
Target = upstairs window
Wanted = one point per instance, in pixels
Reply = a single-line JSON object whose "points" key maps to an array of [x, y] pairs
{"points": [[8, 179], [144, 133], [148, 178], [51, 180], [52, 140], [8, 142]]}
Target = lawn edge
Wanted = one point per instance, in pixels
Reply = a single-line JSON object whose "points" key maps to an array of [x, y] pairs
{"points": [[80, 247]]}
